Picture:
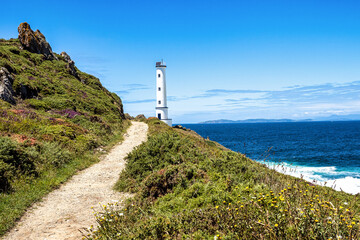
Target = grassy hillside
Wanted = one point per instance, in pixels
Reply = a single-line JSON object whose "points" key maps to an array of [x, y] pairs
{"points": [[191, 188], [57, 127]]}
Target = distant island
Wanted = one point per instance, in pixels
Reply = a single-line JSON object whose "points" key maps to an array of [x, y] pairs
{"points": [[350, 117]]}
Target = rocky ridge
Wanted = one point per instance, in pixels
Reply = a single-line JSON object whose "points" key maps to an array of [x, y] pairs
{"points": [[71, 64], [6, 90], [34, 42]]}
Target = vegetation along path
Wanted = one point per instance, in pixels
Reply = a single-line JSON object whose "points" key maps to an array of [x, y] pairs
{"points": [[66, 210]]}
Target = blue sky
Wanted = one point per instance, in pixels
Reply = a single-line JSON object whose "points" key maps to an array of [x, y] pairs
{"points": [[226, 59]]}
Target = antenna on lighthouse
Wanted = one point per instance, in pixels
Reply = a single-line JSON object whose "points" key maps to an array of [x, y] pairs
{"points": [[161, 101]]}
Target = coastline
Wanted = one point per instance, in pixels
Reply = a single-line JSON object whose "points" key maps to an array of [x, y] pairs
{"points": [[324, 153], [348, 184]]}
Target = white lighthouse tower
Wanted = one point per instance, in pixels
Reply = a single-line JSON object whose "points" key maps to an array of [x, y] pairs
{"points": [[161, 102]]}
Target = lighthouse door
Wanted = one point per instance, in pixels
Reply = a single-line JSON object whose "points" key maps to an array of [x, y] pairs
{"points": [[159, 116]]}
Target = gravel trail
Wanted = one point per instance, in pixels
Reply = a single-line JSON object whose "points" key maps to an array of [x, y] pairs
{"points": [[66, 210]]}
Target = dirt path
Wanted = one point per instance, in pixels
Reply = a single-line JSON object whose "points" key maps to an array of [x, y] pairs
{"points": [[66, 210]]}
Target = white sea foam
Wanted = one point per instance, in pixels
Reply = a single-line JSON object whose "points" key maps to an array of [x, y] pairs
{"points": [[347, 184], [335, 179]]}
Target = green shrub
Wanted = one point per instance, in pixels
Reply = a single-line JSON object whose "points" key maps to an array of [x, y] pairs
{"points": [[26, 54], [85, 142], [157, 153], [37, 59], [59, 102], [162, 182], [6, 171], [54, 155], [6, 64], [11, 153], [38, 104], [15, 160]]}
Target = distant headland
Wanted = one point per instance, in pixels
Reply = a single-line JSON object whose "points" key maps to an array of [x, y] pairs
{"points": [[350, 117]]}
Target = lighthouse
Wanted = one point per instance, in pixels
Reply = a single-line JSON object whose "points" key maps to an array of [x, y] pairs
{"points": [[161, 102]]}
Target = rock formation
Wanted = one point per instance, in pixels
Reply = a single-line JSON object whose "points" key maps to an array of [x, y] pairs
{"points": [[71, 64], [6, 90], [181, 127], [66, 56], [34, 42], [140, 117]]}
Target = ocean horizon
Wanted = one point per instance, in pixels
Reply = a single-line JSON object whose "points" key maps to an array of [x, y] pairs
{"points": [[325, 152]]}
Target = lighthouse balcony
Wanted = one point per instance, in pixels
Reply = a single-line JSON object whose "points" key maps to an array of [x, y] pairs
{"points": [[160, 64]]}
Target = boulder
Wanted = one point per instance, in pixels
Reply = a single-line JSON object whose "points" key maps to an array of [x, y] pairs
{"points": [[152, 118], [66, 57], [6, 90], [181, 127], [71, 64], [34, 42], [140, 117]]}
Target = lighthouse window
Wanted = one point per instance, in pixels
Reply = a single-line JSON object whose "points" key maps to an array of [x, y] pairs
{"points": [[159, 89], [159, 102], [159, 75], [159, 116]]}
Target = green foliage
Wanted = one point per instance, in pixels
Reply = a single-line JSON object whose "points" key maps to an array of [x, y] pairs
{"points": [[14, 160], [53, 155], [156, 155], [191, 188], [5, 174], [14, 50], [54, 87], [165, 181], [11, 153], [38, 104]]}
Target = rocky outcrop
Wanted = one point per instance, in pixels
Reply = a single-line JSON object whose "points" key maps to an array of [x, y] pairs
{"points": [[181, 127], [71, 64], [34, 42], [66, 57], [6, 90], [140, 117]]}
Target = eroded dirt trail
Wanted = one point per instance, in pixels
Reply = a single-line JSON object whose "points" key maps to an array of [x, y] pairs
{"points": [[66, 210]]}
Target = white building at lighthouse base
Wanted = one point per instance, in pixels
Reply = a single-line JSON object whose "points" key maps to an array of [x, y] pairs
{"points": [[162, 112]]}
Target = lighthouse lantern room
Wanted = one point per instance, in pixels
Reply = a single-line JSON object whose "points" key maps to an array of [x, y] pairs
{"points": [[161, 102]]}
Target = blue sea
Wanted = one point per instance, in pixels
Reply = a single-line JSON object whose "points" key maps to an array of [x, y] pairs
{"points": [[327, 153]]}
